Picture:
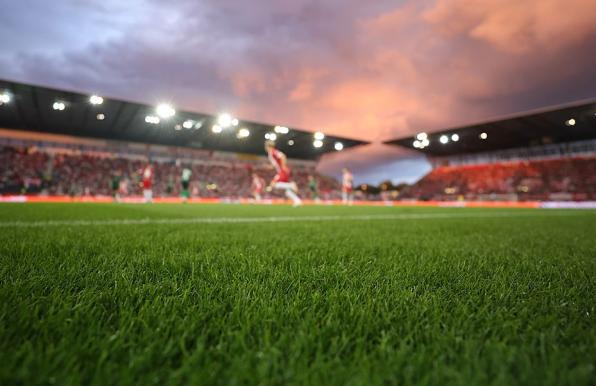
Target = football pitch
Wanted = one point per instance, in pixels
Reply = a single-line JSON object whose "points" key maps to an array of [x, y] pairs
{"points": [[235, 294]]}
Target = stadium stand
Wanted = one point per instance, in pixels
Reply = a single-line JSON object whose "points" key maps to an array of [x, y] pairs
{"points": [[562, 179]]}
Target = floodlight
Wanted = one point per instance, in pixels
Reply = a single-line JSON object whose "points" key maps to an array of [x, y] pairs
{"points": [[95, 100], [281, 129], [570, 122], [339, 146], [154, 120], [455, 137], [164, 110], [4, 97], [100, 117], [483, 136], [188, 124], [243, 133], [216, 129], [271, 136], [59, 106], [317, 143], [444, 139], [319, 136], [225, 120], [291, 142], [421, 136]]}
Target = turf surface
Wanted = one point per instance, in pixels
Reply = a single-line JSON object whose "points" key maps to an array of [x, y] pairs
{"points": [[346, 296]]}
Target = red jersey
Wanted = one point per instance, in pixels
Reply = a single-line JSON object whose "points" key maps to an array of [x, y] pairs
{"points": [[348, 182], [257, 184], [283, 174], [147, 177]]}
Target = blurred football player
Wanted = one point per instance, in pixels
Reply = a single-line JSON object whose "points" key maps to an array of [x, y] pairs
{"points": [[258, 184], [347, 187], [147, 182], [282, 178], [186, 174]]}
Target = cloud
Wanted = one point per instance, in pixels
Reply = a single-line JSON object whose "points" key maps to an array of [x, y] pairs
{"points": [[374, 71]]}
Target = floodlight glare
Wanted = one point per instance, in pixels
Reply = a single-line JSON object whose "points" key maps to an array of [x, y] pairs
{"points": [[59, 106], [417, 144], [152, 119], [243, 133], [4, 97], [216, 129], [339, 146], [317, 143], [235, 122], [100, 117], [188, 124], [483, 136], [281, 130], [291, 142], [165, 111], [95, 100], [570, 122], [225, 120], [444, 139], [455, 137], [421, 136], [319, 136], [271, 136]]}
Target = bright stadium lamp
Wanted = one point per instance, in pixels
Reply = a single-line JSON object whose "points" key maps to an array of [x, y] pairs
{"points": [[417, 144], [570, 122], [216, 129], [165, 111], [483, 136], [455, 137], [198, 125], [5, 98], [291, 142], [271, 136], [235, 122], [421, 136], [444, 139], [95, 100], [152, 119], [243, 133], [225, 120], [188, 124], [319, 136], [100, 117], [59, 106], [317, 143], [339, 146], [281, 130]]}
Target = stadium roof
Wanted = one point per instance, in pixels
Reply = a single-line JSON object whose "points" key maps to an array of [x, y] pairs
{"points": [[568, 123], [41, 109]]}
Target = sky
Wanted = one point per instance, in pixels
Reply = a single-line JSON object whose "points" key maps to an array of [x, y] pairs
{"points": [[370, 70]]}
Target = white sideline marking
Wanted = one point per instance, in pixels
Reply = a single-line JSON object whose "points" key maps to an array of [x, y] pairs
{"points": [[243, 220]]}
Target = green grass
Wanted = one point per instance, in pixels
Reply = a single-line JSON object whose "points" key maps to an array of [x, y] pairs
{"points": [[485, 297]]}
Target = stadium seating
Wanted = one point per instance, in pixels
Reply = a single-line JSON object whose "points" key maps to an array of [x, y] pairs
{"points": [[28, 170], [551, 179]]}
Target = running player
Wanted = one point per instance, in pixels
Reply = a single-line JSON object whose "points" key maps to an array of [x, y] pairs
{"points": [[258, 184], [282, 178], [147, 178], [116, 181], [313, 186], [186, 173], [347, 187]]}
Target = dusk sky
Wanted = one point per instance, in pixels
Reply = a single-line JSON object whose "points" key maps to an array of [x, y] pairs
{"points": [[371, 70]]}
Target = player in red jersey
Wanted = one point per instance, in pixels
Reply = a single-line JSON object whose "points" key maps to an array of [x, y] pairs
{"points": [[258, 184], [347, 187], [147, 182], [282, 178]]}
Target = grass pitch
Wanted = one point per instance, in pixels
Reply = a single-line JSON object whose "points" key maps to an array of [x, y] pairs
{"points": [[216, 294]]}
